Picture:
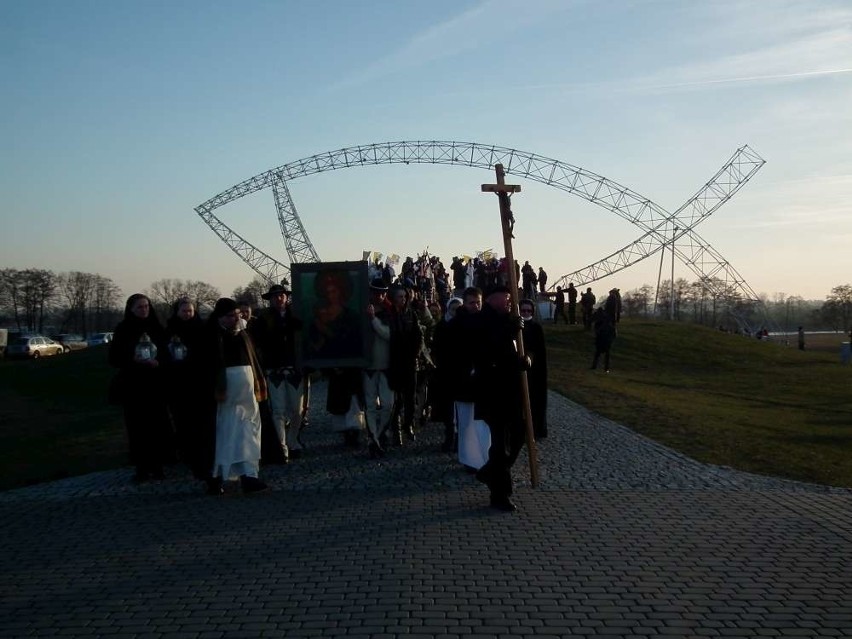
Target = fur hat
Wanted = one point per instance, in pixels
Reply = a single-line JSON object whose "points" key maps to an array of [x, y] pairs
{"points": [[224, 305]]}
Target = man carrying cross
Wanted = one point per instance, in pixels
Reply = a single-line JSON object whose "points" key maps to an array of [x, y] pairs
{"points": [[500, 365]]}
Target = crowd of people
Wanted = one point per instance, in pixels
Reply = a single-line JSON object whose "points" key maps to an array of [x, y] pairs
{"points": [[224, 394]]}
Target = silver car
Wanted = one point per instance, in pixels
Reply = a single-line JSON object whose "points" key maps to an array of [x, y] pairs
{"points": [[99, 338], [33, 346]]}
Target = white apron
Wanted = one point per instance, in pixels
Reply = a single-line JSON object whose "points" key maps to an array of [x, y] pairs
{"points": [[237, 427]]}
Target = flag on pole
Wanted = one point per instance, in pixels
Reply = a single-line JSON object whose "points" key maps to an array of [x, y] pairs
{"points": [[366, 256]]}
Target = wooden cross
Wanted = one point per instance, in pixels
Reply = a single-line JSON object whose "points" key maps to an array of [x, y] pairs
{"points": [[507, 221]]}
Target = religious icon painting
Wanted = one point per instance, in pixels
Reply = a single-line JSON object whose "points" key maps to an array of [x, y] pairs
{"points": [[331, 299]]}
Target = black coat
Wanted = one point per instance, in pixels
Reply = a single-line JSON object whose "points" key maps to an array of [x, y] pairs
{"points": [[497, 384]]}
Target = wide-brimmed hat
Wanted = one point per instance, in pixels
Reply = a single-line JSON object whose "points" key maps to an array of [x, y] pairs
{"points": [[275, 289], [378, 284]]}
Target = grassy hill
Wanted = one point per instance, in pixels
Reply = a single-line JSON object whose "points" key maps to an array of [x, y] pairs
{"points": [[719, 398], [725, 399]]}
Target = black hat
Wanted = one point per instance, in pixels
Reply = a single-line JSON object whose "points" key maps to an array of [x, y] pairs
{"points": [[378, 284], [275, 289], [224, 305], [497, 288]]}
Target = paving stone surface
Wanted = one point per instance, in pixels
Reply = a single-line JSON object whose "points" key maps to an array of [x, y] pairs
{"points": [[623, 538]]}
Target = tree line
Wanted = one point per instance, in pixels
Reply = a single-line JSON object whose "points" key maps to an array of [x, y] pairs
{"points": [[693, 302], [33, 300], [41, 301]]}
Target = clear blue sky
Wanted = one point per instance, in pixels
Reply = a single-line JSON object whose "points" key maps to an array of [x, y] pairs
{"points": [[119, 117]]}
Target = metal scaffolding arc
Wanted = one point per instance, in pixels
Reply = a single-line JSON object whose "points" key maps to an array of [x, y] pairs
{"points": [[585, 184], [733, 175], [299, 247], [641, 211], [264, 265]]}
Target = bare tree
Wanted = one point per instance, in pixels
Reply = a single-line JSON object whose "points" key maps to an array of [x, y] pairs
{"points": [[839, 305], [637, 301], [164, 293], [10, 293], [37, 288], [202, 294], [87, 298], [252, 291], [106, 301], [76, 290]]}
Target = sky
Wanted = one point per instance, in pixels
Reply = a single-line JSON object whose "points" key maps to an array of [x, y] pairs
{"points": [[119, 118]]}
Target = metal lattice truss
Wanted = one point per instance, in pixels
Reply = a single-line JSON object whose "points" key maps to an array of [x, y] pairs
{"points": [[661, 228]]}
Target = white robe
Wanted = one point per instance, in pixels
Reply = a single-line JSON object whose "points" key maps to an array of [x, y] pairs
{"points": [[474, 436], [237, 427]]}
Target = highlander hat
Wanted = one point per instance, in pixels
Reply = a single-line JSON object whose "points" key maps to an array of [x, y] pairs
{"points": [[378, 284], [275, 289]]}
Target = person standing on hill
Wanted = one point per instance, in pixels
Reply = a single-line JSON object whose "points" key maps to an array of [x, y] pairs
{"points": [[542, 279], [560, 306], [572, 303], [801, 338], [587, 305]]}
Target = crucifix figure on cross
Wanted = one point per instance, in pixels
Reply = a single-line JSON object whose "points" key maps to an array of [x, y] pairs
{"points": [[507, 221]]}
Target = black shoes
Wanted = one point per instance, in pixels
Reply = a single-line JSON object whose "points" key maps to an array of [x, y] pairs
{"points": [[351, 438], [252, 485], [376, 451], [503, 504], [214, 486]]}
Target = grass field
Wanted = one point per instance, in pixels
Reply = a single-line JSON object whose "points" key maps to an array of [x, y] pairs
{"points": [[720, 398], [725, 399]]}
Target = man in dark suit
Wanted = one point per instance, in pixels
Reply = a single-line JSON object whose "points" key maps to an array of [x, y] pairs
{"points": [[498, 399]]}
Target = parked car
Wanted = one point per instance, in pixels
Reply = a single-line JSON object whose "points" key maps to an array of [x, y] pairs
{"points": [[33, 346], [99, 338], [70, 341]]}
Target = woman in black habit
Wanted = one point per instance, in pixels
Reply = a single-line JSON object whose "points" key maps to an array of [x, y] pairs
{"points": [[139, 388], [190, 396]]}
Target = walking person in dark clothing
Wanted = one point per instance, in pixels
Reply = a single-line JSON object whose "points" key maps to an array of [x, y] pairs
{"points": [[406, 342], [604, 337], [499, 401]]}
